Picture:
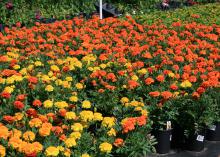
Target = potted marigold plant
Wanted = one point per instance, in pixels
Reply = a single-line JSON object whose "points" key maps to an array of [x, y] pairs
{"points": [[162, 115], [213, 131], [195, 115]]}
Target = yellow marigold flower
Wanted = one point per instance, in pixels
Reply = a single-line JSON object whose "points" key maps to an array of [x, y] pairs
{"points": [[38, 63], [78, 64], [186, 84], [73, 98], [66, 84], [171, 74], [49, 88], [59, 82], [16, 67], [77, 127], [90, 68], [30, 67], [111, 132], [86, 104], [61, 148], [15, 142], [98, 116], [79, 86], [124, 100], [52, 151], [86, 116], [10, 80], [9, 89], [50, 73], [134, 77], [85, 155], [18, 116], [35, 122], [70, 115], [142, 71], [48, 104], [105, 147], [70, 142], [103, 66], [69, 78], [2, 151], [75, 135], [29, 136], [17, 78], [23, 71], [54, 68], [61, 104], [108, 122], [144, 112], [4, 132], [134, 103]]}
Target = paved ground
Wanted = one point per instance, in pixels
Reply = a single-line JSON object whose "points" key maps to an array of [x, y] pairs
{"points": [[212, 149]]}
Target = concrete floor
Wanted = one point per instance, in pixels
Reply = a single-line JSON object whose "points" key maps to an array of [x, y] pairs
{"points": [[212, 149]]}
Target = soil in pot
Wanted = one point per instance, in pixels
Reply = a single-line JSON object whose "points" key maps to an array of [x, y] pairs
{"points": [[163, 141], [213, 133]]}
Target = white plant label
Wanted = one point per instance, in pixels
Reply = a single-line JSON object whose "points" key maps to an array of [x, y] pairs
{"points": [[170, 137], [168, 125], [213, 127], [200, 138]]}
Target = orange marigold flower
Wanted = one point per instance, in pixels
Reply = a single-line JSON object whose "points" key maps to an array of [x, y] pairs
{"points": [[118, 142], [149, 81], [154, 94], [166, 94]]}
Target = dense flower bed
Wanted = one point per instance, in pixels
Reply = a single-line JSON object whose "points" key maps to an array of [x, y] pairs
{"points": [[86, 87]]}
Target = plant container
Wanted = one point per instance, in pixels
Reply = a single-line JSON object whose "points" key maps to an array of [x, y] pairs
{"points": [[213, 133], [195, 142], [163, 138]]}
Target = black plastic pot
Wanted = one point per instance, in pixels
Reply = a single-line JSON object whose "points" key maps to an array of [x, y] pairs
{"points": [[213, 133], [177, 136], [1, 27], [195, 142], [163, 141]]}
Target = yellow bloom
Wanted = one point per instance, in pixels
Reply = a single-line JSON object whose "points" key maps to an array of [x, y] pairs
{"points": [[124, 100], [23, 71], [35, 122], [30, 67], [171, 74], [86, 116], [77, 127], [70, 142], [52, 151], [38, 64], [49, 88], [134, 78], [10, 80], [142, 71], [103, 66], [73, 98], [105, 147], [29, 136], [54, 68], [4, 132], [70, 115], [69, 78], [86, 104], [67, 152], [50, 73], [108, 122], [111, 132], [16, 67], [98, 116], [61, 104], [75, 135], [18, 116], [144, 112], [134, 103], [79, 86], [186, 84], [8, 89], [85, 155], [48, 104], [2, 151], [44, 131]]}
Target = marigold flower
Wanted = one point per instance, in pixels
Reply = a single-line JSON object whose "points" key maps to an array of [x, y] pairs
{"points": [[29, 136], [52, 151], [48, 104], [70, 142], [105, 147], [37, 103], [70, 115], [4, 133], [154, 94], [97, 117], [108, 122], [85, 155], [2, 151], [118, 142], [149, 81], [49, 88], [86, 104]]}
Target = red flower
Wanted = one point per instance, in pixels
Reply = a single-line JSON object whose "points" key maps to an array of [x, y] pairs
{"points": [[37, 103], [33, 80], [160, 78], [166, 94], [118, 142], [8, 119], [154, 94], [5, 95], [21, 97], [31, 112], [18, 105], [149, 81], [173, 87]]}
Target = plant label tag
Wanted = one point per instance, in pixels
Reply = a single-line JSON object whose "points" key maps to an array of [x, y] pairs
{"points": [[168, 125], [170, 137], [213, 127], [200, 138]]}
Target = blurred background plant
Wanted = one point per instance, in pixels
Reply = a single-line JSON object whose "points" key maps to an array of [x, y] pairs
{"points": [[27, 11]]}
